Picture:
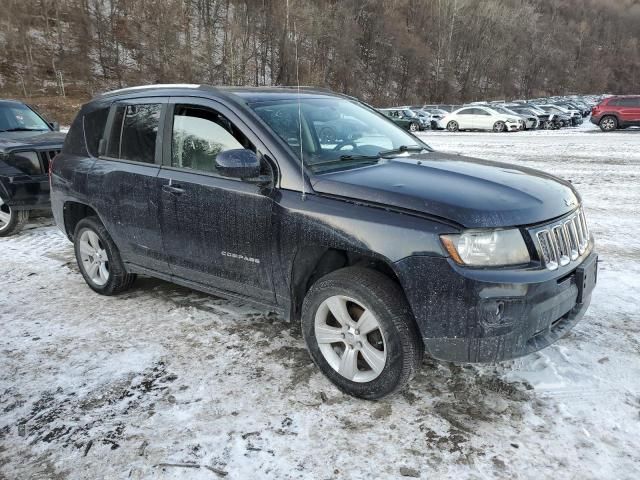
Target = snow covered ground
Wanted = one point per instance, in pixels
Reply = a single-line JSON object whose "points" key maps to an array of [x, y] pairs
{"points": [[163, 382]]}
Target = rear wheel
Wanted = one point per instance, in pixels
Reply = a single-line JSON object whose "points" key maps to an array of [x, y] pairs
{"points": [[99, 259], [608, 123], [359, 331], [414, 127], [499, 126], [453, 126], [11, 221]]}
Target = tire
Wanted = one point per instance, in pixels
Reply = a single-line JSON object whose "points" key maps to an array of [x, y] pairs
{"points": [[386, 357], [414, 127], [11, 221], [608, 123], [499, 126], [93, 245], [453, 126]]}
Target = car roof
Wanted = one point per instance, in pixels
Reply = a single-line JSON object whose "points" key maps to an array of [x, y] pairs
{"points": [[247, 94]]}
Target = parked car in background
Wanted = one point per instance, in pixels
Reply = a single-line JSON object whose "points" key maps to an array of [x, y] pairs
{"points": [[617, 112], [545, 120], [480, 118], [561, 117], [435, 115], [28, 143], [404, 117], [381, 247], [575, 117], [530, 122]]}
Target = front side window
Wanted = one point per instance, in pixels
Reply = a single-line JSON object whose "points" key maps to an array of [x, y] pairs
{"points": [[199, 135], [323, 131], [133, 133], [466, 111]]}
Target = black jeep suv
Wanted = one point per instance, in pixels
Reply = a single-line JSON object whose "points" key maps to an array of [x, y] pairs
{"points": [[27, 145], [380, 245]]}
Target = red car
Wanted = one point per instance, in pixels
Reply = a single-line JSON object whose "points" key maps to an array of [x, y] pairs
{"points": [[617, 112]]}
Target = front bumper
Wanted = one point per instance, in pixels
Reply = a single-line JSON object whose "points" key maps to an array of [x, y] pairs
{"points": [[476, 316]]}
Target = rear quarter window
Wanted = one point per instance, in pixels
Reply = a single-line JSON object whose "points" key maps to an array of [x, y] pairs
{"points": [[94, 118]]}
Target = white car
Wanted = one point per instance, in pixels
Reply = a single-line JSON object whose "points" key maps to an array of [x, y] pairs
{"points": [[480, 118]]}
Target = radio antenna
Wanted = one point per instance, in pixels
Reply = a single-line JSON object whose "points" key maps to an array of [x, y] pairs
{"points": [[295, 38]]}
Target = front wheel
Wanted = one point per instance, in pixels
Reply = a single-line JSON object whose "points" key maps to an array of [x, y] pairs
{"points": [[499, 126], [11, 221], [608, 123], [453, 126], [359, 331], [414, 127], [98, 258]]}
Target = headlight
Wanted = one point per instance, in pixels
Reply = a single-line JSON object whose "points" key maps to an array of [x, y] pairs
{"points": [[26, 162], [512, 120], [487, 248]]}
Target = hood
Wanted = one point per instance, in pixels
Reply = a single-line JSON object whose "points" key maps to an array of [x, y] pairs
{"points": [[23, 140], [470, 192]]}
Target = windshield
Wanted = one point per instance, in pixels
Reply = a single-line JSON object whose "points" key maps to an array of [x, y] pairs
{"points": [[334, 131], [17, 117]]}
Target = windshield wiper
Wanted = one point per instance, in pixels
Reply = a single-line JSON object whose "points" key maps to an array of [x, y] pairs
{"points": [[344, 158], [402, 149], [23, 129]]}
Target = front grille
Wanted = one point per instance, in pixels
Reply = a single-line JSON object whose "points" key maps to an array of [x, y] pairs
{"points": [[46, 156], [563, 241]]}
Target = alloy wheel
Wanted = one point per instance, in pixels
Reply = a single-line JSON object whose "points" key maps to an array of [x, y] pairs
{"points": [[608, 124], [452, 126], [5, 215], [95, 260], [413, 127], [350, 339]]}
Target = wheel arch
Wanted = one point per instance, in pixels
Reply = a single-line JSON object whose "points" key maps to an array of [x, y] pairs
{"points": [[312, 262], [73, 212]]}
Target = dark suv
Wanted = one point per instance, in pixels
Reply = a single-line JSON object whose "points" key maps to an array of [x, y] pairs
{"points": [[617, 112], [27, 145], [380, 245]]}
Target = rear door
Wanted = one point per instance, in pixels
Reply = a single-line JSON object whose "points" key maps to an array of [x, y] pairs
{"points": [[216, 230], [124, 180]]}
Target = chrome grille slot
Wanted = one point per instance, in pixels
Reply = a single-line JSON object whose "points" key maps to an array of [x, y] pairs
{"points": [[562, 242]]}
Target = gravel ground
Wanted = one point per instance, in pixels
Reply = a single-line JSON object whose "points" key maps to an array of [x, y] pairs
{"points": [[164, 382]]}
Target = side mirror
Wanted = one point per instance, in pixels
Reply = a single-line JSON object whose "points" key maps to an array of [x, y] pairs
{"points": [[238, 163], [55, 126]]}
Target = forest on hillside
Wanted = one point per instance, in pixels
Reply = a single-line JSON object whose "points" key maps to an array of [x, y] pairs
{"points": [[384, 52]]}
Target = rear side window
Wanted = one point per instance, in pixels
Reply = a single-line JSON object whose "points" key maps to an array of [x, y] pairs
{"points": [[133, 133], [199, 134]]}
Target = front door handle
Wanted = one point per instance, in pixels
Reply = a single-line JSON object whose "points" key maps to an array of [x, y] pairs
{"points": [[173, 189]]}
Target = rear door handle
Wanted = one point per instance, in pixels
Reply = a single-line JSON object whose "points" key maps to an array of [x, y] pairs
{"points": [[173, 189]]}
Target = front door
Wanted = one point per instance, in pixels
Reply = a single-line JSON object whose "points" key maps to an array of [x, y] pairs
{"points": [[216, 230], [482, 119], [630, 110], [465, 118]]}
